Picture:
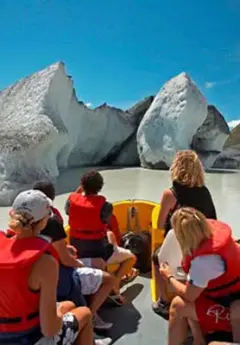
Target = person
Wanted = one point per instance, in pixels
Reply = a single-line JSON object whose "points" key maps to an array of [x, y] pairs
{"points": [[76, 280], [48, 189], [89, 215], [29, 273], [188, 189], [211, 297]]}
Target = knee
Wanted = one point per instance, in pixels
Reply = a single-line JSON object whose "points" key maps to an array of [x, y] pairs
{"points": [[133, 258], [177, 306], [235, 310], [86, 312], [108, 279]]}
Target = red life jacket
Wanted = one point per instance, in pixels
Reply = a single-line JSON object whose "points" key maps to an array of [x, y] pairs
{"points": [[85, 217], [19, 306], [221, 243], [57, 213]]}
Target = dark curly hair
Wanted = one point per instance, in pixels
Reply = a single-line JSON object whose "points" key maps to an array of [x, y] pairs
{"points": [[46, 187], [92, 182]]}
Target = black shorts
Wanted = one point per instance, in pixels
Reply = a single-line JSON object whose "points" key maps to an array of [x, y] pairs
{"points": [[93, 248]]}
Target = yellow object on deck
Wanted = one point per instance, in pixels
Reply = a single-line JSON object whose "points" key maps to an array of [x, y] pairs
{"points": [[157, 240]]}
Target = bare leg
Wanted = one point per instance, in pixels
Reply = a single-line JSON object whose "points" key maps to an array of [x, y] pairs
{"points": [[180, 311], [196, 332], [66, 306], [161, 284], [235, 320], [84, 318], [99, 297], [124, 269]]}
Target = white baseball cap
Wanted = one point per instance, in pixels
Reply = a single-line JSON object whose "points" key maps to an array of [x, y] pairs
{"points": [[34, 203]]}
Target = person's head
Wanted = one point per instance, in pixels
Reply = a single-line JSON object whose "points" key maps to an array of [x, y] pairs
{"points": [[187, 169], [191, 229], [29, 213], [92, 182], [46, 187]]}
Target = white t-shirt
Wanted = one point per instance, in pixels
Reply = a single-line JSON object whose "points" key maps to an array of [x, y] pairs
{"points": [[205, 268]]}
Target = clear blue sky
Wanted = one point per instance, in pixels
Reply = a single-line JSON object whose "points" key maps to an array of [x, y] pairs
{"points": [[119, 51]]}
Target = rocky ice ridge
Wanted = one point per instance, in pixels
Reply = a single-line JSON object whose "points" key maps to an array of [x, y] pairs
{"points": [[45, 128], [210, 137], [170, 123]]}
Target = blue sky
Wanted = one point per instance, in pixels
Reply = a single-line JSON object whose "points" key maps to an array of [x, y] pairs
{"points": [[120, 51]]}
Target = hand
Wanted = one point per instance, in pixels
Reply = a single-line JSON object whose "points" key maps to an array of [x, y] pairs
{"points": [[165, 270], [60, 310], [72, 250]]}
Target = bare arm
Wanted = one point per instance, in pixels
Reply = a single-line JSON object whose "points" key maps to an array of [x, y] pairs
{"points": [[189, 292], [45, 275], [65, 257], [167, 203]]}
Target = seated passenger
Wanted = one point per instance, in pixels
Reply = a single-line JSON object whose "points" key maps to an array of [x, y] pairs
{"points": [[89, 215], [211, 297], [188, 189], [76, 280], [29, 273], [48, 189]]}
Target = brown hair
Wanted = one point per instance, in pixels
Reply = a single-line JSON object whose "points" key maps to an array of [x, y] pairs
{"points": [[187, 169], [191, 229]]}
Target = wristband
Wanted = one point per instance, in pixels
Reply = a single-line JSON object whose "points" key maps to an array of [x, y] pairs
{"points": [[169, 278]]}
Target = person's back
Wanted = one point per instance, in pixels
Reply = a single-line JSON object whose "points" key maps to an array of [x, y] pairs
{"points": [[197, 197], [89, 214], [29, 272]]}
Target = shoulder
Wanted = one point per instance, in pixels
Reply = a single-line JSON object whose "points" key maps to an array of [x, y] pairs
{"points": [[168, 197], [45, 266]]}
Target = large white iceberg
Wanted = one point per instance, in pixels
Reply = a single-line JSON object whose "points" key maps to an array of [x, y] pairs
{"points": [[170, 123], [45, 128]]}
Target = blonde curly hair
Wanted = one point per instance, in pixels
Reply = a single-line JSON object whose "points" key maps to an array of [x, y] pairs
{"points": [[187, 169], [191, 229], [21, 221]]}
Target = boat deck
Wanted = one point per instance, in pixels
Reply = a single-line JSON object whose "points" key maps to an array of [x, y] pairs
{"points": [[135, 323]]}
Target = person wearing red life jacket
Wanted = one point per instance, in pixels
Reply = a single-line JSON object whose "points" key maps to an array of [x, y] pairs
{"points": [[89, 217], [211, 260], [29, 275], [89, 214], [76, 277]]}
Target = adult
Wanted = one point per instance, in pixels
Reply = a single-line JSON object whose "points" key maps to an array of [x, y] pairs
{"points": [[210, 299], [188, 189], [29, 275], [75, 280], [89, 215]]}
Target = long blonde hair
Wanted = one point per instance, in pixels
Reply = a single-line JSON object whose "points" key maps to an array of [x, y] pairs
{"points": [[187, 169], [191, 229]]}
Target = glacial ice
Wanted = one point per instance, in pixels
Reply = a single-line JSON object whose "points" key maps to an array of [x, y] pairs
{"points": [[44, 128]]}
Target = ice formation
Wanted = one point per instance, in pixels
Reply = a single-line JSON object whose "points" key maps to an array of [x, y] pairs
{"points": [[170, 123], [45, 128]]}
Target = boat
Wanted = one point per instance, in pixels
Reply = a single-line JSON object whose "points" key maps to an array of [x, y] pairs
{"points": [[135, 322]]}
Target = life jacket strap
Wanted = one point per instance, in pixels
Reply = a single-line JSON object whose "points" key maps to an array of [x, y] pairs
{"points": [[224, 286], [11, 320]]}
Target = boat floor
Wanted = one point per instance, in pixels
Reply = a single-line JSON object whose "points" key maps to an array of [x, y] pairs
{"points": [[135, 323]]}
